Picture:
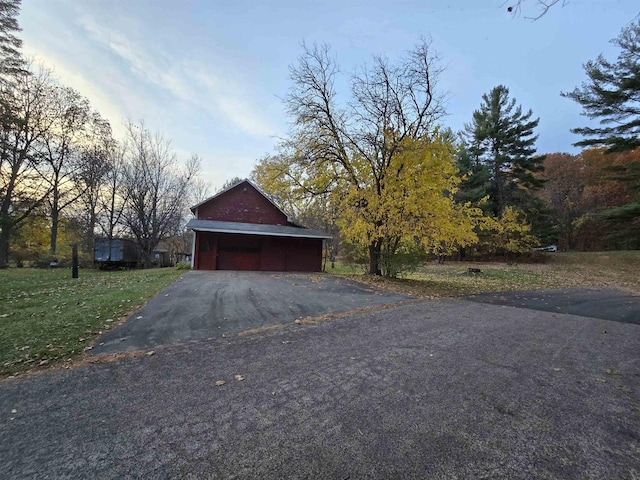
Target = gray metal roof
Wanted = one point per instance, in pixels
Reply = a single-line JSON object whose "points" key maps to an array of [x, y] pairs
{"points": [[255, 229]]}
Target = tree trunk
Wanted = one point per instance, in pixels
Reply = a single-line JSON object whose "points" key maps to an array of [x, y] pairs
{"points": [[6, 222], [498, 198], [146, 257], [90, 235], [4, 243], [55, 217], [374, 257]]}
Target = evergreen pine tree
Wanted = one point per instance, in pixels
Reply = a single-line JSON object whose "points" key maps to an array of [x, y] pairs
{"points": [[11, 61], [500, 143], [612, 95], [476, 182]]}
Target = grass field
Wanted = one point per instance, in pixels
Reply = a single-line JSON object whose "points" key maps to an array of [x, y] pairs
{"points": [[48, 318], [576, 269]]}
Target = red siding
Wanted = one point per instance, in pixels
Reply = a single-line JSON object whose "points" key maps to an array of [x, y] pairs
{"points": [[218, 251], [274, 255], [206, 252], [242, 203], [303, 255]]}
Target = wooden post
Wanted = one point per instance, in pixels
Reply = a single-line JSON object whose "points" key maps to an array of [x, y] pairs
{"points": [[74, 260]]}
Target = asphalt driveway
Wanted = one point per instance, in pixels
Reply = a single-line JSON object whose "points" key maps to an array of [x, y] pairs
{"points": [[603, 303], [433, 389], [205, 305]]}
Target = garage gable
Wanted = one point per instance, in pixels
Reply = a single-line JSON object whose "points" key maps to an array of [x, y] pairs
{"points": [[242, 202]]}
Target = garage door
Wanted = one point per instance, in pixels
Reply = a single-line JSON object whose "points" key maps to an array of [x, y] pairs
{"points": [[238, 258]]}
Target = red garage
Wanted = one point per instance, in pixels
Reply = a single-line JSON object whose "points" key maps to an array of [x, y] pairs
{"points": [[240, 228]]}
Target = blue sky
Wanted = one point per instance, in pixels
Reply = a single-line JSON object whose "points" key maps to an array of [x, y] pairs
{"points": [[209, 74]]}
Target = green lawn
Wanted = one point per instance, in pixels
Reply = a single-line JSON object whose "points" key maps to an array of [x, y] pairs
{"points": [[48, 318]]}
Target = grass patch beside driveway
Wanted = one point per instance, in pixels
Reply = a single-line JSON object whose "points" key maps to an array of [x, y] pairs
{"points": [[48, 318], [619, 270]]}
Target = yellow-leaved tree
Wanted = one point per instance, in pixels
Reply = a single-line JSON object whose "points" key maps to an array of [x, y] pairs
{"points": [[411, 210], [508, 233], [396, 214], [350, 151]]}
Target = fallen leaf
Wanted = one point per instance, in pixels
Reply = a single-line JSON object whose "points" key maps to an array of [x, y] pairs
{"points": [[219, 383]]}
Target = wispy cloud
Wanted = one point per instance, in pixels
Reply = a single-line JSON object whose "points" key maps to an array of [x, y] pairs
{"points": [[226, 97], [190, 82], [77, 80]]}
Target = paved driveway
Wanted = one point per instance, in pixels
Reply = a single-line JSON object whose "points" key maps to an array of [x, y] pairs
{"points": [[211, 304], [434, 389], [603, 303]]}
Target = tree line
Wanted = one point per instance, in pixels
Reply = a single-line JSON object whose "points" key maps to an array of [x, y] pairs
{"points": [[63, 176], [383, 172], [379, 169]]}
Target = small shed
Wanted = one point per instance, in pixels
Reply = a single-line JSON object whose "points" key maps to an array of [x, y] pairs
{"points": [[240, 228]]}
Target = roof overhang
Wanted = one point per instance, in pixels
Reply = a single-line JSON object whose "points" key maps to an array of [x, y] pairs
{"points": [[255, 229]]}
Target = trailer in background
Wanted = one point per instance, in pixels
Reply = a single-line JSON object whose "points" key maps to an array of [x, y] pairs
{"points": [[116, 253], [160, 257]]}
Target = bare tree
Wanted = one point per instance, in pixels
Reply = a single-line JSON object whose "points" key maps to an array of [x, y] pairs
{"points": [[515, 7], [156, 188], [95, 159], [334, 142], [113, 194], [25, 120], [200, 190], [61, 153]]}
